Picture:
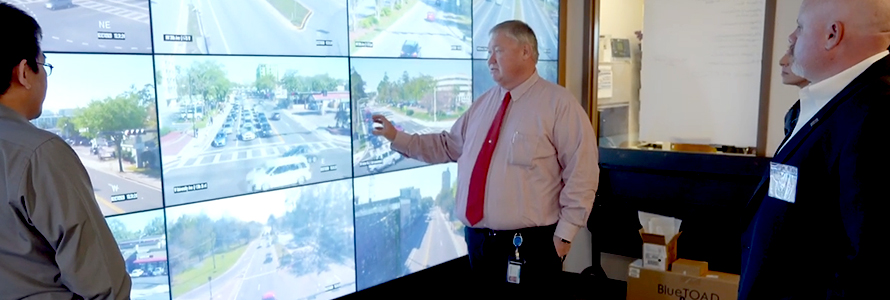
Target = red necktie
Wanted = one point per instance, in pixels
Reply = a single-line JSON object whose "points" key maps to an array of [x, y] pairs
{"points": [[479, 177]]}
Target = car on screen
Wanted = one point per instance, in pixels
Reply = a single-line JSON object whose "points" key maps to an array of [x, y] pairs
{"points": [[219, 140], [137, 273], [265, 130], [106, 153], [431, 16], [59, 4], [410, 49], [247, 133], [279, 172], [385, 159], [269, 296], [227, 128], [275, 117]]}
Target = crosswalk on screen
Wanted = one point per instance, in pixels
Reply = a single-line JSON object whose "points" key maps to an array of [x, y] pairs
{"points": [[229, 141]]}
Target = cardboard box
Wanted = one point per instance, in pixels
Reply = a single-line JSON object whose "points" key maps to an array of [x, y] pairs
{"points": [[687, 280], [658, 252]]}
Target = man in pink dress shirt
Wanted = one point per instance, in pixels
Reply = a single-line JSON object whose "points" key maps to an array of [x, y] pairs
{"points": [[542, 172]]}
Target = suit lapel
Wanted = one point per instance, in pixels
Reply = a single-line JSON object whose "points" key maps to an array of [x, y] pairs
{"points": [[793, 144]]}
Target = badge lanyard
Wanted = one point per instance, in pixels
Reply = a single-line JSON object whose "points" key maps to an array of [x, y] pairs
{"points": [[517, 241], [514, 265]]}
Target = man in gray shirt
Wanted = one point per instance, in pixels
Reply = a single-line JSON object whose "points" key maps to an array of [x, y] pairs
{"points": [[55, 243]]}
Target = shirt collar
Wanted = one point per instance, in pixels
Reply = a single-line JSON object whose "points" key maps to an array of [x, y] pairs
{"points": [[825, 90], [518, 91], [8, 113]]}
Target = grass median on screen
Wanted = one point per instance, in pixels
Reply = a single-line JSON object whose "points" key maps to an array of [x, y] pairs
{"points": [[292, 10], [194, 29], [369, 27], [192, 278]]}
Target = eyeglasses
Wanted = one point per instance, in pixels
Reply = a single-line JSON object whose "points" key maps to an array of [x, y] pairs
{"points": [[48, 67]]}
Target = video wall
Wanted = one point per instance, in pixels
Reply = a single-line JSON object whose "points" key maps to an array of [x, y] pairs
{"points": [[229, 141]]}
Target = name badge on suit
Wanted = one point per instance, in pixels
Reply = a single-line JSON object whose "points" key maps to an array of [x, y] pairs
{"points": [[782, 182]]}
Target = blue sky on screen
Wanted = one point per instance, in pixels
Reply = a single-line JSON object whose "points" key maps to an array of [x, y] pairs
{"points": [[79, 78], [138, 221], [388, 185]]}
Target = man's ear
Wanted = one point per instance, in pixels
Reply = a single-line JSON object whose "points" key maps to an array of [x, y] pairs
{"points": [[527, 51], [835, 35], [20, 74]]}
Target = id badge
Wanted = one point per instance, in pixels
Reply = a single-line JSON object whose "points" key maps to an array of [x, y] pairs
{"points": [[782, 182], [514, 269], [514, 263]]}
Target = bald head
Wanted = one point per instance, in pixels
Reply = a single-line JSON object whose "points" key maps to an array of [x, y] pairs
{"points": [[834, 35]]}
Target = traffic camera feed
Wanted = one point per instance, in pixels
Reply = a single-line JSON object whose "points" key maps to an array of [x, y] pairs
{"points": [[410, 28], [142, 240], [236, 125], [404, 223], [229, 142], [103, 26], [293, 243], [541, 15], [107, 114], [416, 98], [250, 27]]}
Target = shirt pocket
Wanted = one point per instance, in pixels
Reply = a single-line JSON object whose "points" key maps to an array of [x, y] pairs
{"points": [[523, 148]]}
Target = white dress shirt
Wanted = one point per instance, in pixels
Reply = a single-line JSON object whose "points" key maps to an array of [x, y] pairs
{"points": [[814, 96]]}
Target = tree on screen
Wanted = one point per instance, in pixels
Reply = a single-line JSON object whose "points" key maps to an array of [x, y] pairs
{"points": [[384, 90], [108, 118], [147, 100], [324, 82], [209, 84], [66, 124], [195, 240], [158, 76], [295, 83], [406, 78], [155, 227], [359, 100], [272, 222], [120, 231], [421, 89], [321, 221]]}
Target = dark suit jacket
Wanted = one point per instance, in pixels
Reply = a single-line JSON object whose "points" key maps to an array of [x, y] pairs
{"points": [[827, 244]]}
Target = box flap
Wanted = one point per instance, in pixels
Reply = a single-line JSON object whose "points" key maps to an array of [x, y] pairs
{"points": [[690, 267]]}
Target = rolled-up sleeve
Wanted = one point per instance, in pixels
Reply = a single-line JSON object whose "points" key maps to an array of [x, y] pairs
{"points": [[433, 148], [62, 207], [578, 157]]}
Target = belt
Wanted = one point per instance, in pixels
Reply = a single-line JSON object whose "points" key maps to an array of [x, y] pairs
{"points": [[539, 230]]}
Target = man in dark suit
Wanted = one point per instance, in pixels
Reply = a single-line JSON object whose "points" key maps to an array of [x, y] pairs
{"points": [[814, 227]]}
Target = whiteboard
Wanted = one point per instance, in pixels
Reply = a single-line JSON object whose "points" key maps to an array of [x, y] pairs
{"points": [[701, 64]]}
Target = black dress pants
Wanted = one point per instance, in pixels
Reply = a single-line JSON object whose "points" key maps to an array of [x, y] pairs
{"points": [[490, 252]]}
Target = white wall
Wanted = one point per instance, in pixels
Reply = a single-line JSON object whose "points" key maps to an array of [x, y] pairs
{"points": [[623, 18]]}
